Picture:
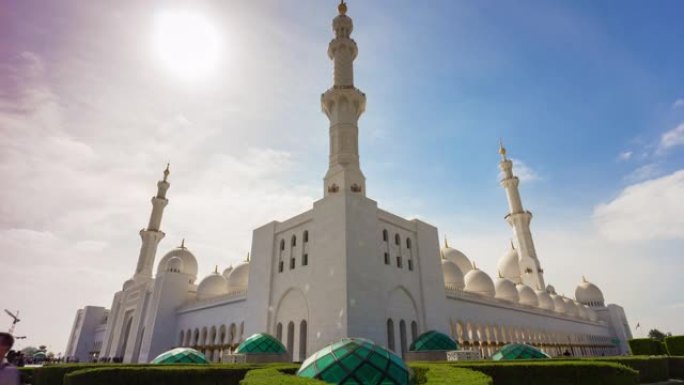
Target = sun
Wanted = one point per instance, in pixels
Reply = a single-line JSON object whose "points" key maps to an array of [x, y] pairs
{"points": [[187, 43]]}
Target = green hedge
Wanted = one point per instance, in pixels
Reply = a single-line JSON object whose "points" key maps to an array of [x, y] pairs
{"points": [[54, 374], [426, 374], [554, 372], [677, 367], [274, 376], [647, 347], [165, 374], [26, 375], [675, 345], [651, 369]]}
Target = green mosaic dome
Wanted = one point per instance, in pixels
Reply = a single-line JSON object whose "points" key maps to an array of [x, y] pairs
{"points": [[433, 341], [181, 356], [518, 352], [356, 361], [261, 343]]}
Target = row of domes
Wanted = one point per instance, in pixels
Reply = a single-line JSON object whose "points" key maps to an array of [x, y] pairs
{"points": [[460, 274]]}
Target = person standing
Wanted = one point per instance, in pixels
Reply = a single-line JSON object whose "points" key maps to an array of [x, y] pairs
{"points": [[9, 374]]}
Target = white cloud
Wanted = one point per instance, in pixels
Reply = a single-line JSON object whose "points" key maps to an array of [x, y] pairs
{"points": [[647, 171], [524, 172], [672, 138], [625, 156], [679, 103], [649, 210]]}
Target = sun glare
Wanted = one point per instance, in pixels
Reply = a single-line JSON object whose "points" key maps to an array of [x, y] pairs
{"points": [[187, 43]]}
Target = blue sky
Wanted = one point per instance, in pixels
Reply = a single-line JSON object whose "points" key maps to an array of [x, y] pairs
{"points": [[588, 97]]}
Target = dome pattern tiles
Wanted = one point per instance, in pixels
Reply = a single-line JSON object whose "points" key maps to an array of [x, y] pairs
{"points": [[261, 343], [518, 352], [433, 341], [181, 356]]}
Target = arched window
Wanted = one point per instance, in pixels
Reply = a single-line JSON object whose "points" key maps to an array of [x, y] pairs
{"points": [[306, 236], [290, 338], [293, 242], [282, 244], [390, 334], [182, 338], [397, 239], [387, 261], [279, 332], [399, 264], [305, 259], [385, 236], [408, 243], [402, 337], [410, 264], [302, 340], [280, 266], [414, 331], [292, 263]]}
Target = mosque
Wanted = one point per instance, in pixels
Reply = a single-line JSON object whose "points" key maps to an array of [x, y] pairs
{"points": [[346, 268]]}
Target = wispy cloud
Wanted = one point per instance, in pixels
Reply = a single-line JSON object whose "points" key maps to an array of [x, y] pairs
{"points": [[647, 171], [671, 138], [679, 103], [649, 210], [625, 156], [524, 172]]}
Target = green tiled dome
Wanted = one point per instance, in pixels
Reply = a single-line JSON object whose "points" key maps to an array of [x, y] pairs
{"points": [[181, 355], [261, 343], [433, 340], [518, 352], [356, 361]]}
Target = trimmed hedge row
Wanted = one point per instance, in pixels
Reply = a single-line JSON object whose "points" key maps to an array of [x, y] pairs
{"points": [[651, 369], [274, 376], [26, 375], [530, 372], [675, 345], [647, 347], [426, 374], [677, 367]]}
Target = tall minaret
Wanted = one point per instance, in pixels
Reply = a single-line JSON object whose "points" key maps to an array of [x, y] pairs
{"points": [[152, 235], [530, 270], [343, 104]]}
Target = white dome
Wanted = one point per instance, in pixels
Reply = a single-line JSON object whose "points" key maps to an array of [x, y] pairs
{"points": [[128, 284], [589, 294], [227, 271], [545, 301], [527, 295], [455, 256], [175, 265], [505, 289], [239, 278], [508, 265], [211, 286], [453, 277], [478, 282], [550, 289], [558, 304], [570, 307], [189, 261]]}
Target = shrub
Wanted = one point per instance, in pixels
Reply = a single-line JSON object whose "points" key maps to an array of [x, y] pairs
{"points": [[554, 372], [675, 345], [164, 374], [427, 374], [274, 376], [26, 375], [677, 367], [651, 369], [647, 347], [54, 374]]}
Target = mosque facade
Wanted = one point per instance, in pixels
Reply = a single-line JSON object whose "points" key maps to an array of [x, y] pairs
{"points": [[346, 268]]}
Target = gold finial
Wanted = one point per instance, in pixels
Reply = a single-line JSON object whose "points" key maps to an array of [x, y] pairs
{"points": [[474, 266], [342, 8], [247, 258], [502, 150], [584, 279], [446, 242], [500, 275], [216, 270], [182, 246], [167, 172]]}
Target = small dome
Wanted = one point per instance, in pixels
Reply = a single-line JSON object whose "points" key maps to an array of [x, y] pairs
{"points": [[261, 343], [527, 295], [478, 282], [356, 361], [175, 265], [453, 277], [505, 289], [189, 261], [558, 304], [550, 289], [518, 352], [213, 285], [239, 278], [508, 265], [181, 356], [545, 301], [589, 294], [128, 284], [457, 257], [570, 307], [227, 271], [433, 341]]}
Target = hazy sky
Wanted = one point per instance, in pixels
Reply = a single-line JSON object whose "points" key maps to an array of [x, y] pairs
{"points": [[587, 95]]}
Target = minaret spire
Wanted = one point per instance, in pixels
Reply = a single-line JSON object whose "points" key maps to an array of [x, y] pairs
{"points": [[343, 104], [519, 219], [152, 235]]}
